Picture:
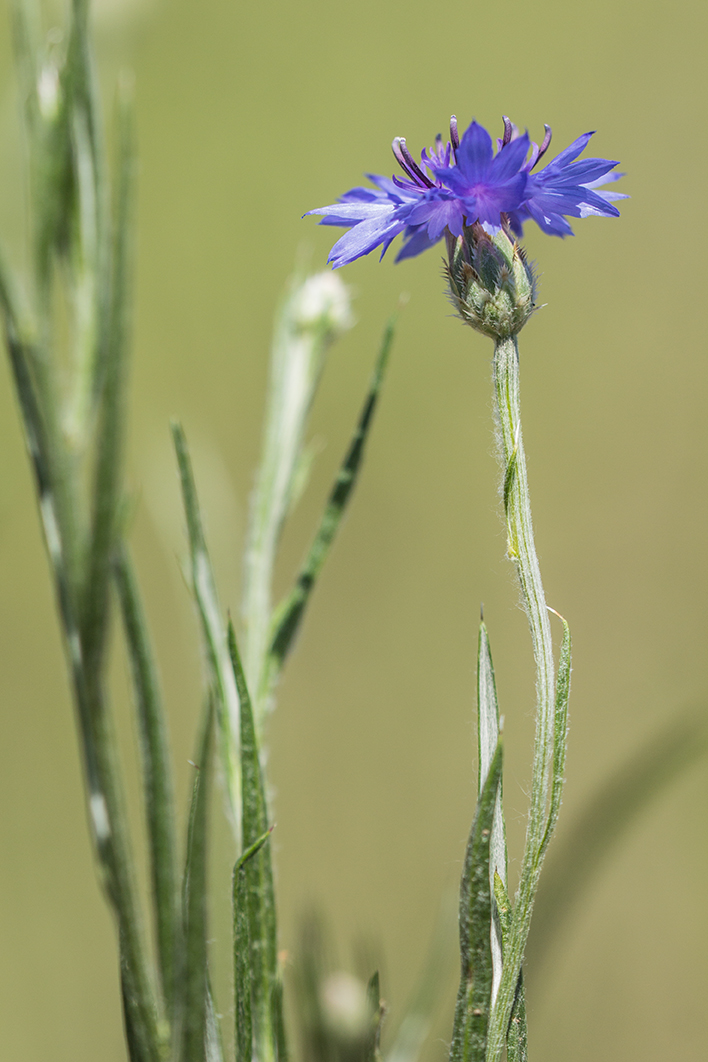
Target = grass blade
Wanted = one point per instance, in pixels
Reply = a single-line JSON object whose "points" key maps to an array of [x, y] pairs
{"points": [[106, 382], [560, 731], [517, 1035], [313, 314], [488, 738], [194, 979], [289, 614], [157, 778], [578, 856], [213, 1047], [376, 1008], [213, 632], [262, 930], [242, 953], [474, 1000]]}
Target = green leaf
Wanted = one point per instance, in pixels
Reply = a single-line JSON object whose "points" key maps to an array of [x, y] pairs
{"points": [[517, 1035], [610, 813], [488, 730], [560, 731], [194, 978], [469, 1037], [266, 1011], [288, 615], [376, 1008], [242, 953], [213, 1047], [213, 632], [313, 313], [158, 796]]}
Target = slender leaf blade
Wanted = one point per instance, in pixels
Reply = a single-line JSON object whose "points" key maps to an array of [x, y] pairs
{"points": [[259, 877], [376, 1009], [314, 312], [288, 615], [474, 998], [213, 632], [157, 776], [213, 1047], [194, 977], [560, 732], [242, 953], [611, 812], [488, 729], [517, 1035]]}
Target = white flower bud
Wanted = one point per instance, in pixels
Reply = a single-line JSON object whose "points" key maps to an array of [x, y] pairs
{"points": [[323, 301]]}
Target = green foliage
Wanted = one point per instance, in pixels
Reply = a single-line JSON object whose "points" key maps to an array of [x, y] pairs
{"points": [[474, 998], [288, 616], [193, 972]]}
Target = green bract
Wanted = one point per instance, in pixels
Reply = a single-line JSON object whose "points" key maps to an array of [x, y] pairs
{"points": [[491, 283]]}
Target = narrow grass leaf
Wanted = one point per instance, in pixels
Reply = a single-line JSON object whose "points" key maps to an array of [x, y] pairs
{"points": [[194, 978], [517, 1035], [488, 738], [213, 632], [259, 876], [102, 267], [242, 953], [314, 312], [288, 615], [213, 1047], [157, 777], [376, 1010], [469, 1037], [610, 813], [560, 732]]}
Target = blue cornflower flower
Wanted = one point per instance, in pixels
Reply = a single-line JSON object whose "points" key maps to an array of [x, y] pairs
{"points": [[464, 182]]}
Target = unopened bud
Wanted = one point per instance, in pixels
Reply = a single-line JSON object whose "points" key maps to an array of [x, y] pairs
{"points": [[322, 301], [345, 1006], [49, 92], [491, 283]]}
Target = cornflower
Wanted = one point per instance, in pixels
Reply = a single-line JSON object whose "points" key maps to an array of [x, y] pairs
{"points": [[465, 182]]}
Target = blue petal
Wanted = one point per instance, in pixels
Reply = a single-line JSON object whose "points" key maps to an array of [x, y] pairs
{"points": [[474, 155], [510, 159], [356, 210], [455, 179], [550, 222], [489, 201], [362, 238], [570, 154], [581, 172], [415, 244], [436, 214]]}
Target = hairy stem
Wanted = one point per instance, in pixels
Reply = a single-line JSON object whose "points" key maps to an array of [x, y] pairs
{"points": [[522, 551]]}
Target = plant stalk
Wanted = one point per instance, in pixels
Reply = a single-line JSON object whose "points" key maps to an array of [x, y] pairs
{"points": [[522, 551]]}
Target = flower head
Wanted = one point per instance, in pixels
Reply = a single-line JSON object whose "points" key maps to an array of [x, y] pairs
{"points": [[466, 182]]}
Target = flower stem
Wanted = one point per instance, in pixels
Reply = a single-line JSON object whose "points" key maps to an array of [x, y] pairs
{"points": [[521, 549]]}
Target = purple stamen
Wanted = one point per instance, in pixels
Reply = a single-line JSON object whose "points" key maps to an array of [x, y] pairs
{"points": [[398, 154], [408, 163], [508, 130], [454, 137], [533, 158], [546, 143]]}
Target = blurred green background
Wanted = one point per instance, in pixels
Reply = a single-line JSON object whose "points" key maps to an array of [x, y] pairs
{"points": [[249, 115]]}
